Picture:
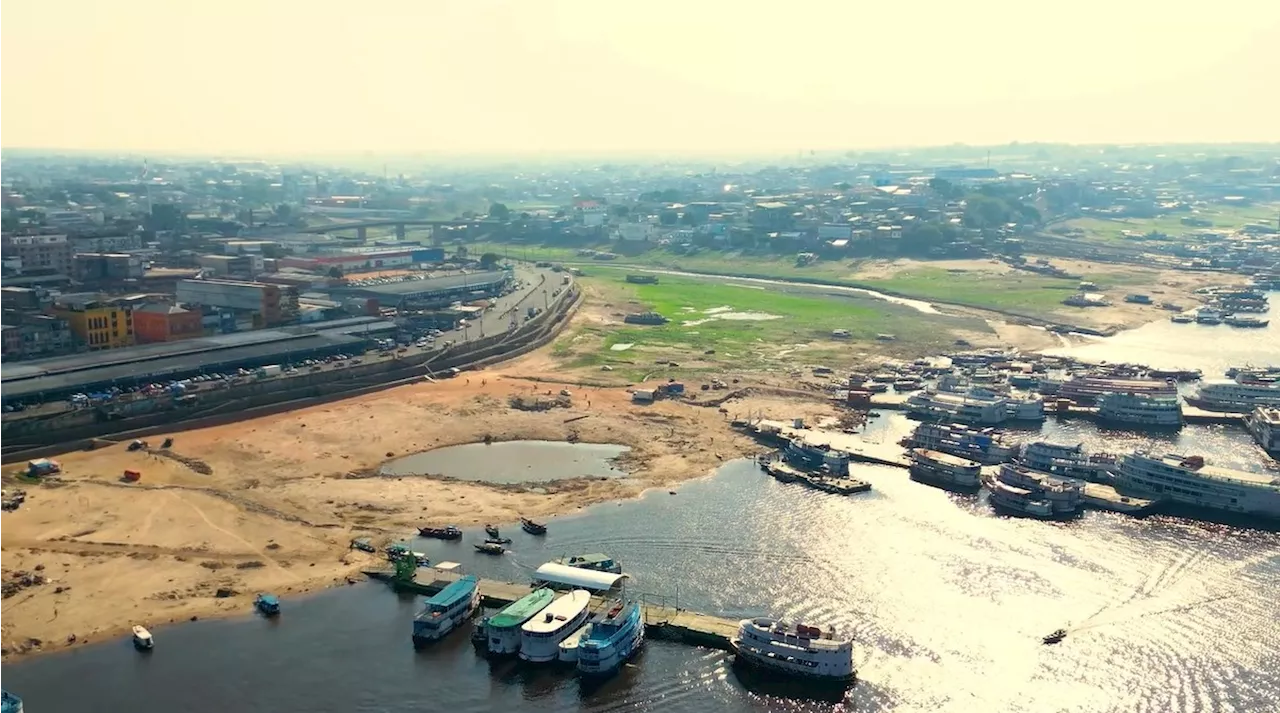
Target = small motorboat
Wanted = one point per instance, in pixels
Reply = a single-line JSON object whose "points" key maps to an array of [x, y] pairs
{"points": [[1055, 637], [267, 604], [498, 540], [142, 639], [531, 527], [10, 703], [441, 533], [492, 532], [490, 548]]}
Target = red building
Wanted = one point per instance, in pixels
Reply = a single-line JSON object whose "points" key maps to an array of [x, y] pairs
{"points": [[165, 323]]}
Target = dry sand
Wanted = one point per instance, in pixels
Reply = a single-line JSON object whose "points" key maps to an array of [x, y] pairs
{"points": [[288, 492]]}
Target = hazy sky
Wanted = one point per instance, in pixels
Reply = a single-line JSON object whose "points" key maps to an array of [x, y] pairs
{"points": [[480, 76]]}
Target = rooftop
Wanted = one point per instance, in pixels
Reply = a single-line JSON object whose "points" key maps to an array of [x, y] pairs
{"points": [[565, 576]]}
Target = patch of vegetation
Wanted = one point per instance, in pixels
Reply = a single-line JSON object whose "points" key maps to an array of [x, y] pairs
{"points": [[1020, 292], [707, 330]]}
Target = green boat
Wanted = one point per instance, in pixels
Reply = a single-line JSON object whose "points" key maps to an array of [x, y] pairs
{"points": [[503, 629]]}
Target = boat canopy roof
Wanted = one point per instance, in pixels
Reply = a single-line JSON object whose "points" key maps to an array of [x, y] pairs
{"points": [[559, 575]]}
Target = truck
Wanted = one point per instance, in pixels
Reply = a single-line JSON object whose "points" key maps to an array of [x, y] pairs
{"points": [[269, 371]]}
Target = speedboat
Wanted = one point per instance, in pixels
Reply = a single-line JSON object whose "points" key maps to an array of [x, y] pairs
{"points": [[1055, 637], [142, 639], [10, 703], [492, 532]]}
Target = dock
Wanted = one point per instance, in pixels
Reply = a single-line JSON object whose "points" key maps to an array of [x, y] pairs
{"points": [[784, 473], [851, 443], [661, 621]]}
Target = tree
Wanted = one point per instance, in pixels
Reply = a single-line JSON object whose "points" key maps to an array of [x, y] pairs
{"points": [[920, 239], [498, 211], [668, 217], [619, 211], [490, 260], [461, 251], [284, 212], [335, 272]]}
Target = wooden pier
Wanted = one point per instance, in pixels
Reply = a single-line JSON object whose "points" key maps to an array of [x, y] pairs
{"points": [[661, 621]]}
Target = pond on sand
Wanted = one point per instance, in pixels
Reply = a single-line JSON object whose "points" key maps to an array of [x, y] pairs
{"points": [[509, 462]]}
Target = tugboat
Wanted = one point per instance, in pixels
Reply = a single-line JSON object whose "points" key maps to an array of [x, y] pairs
{"points": [[441, 533], [267, 604], [1055, 637], [492, 532], [531, 527], [142, 639], [491, 548]]}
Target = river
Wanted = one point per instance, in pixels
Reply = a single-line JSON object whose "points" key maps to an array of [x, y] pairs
{"points": [[946, 600]]}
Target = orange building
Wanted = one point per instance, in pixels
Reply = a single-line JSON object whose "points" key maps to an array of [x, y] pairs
{"points": [[166, 323]]}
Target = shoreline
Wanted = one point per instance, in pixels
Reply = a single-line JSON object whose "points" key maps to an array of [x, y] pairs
{"points": [[286, 493]]}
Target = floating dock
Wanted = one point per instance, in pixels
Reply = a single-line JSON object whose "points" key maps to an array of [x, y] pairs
{"points": [[661, 622], [784, 473], [858, 450]]}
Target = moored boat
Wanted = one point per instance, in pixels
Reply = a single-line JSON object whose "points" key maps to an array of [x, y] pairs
{"points": [[490, 548], [594, 561], [1145, 410], [1055, 637], [1264, 424], [441, 533], [142, 639], [492, 531], [10, 703], [446, 610], [984, 446], [267, 604], [531, 527], [945, 469], [540, 637], [569, 647], [616, 635], [502, 630], [1190, 481], [1014, 500], [795, 650]]}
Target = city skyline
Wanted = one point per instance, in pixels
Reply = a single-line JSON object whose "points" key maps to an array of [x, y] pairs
{"points": [[493, 78]]}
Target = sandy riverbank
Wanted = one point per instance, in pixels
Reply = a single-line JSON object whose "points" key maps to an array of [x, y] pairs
{"points": [[286, 493]]}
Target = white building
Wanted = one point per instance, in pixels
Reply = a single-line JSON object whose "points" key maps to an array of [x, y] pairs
{"points": [[637, 232]]}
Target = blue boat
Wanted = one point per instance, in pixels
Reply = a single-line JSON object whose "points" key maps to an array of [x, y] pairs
{"points": [[268, 604], [9, 703], [616, 635], [447, 610]]}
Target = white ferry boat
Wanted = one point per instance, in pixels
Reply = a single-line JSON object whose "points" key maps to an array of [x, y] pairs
{"points": [[1064, 495], [1140, 410], [1186, 479], [975, 405], [1015, 500], [615, 636], [1068, 461], [982, 445], [1239, 394], [1087, 389], [569, 647], [798, 650], [1264, 424], [540, 637], [945, 469]]}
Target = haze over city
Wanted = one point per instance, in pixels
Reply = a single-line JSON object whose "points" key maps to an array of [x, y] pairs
{"points": [[589, 77]]}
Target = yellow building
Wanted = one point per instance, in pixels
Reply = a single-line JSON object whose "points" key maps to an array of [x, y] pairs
{"points": [[98, 324]]}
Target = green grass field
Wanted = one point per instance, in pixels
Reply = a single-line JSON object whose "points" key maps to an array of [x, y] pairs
{"points": [[798, 327], [1021, 292], [1223, 217]]}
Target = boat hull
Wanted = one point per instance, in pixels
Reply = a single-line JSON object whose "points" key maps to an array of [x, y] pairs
{"points": [[745, 657]]}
